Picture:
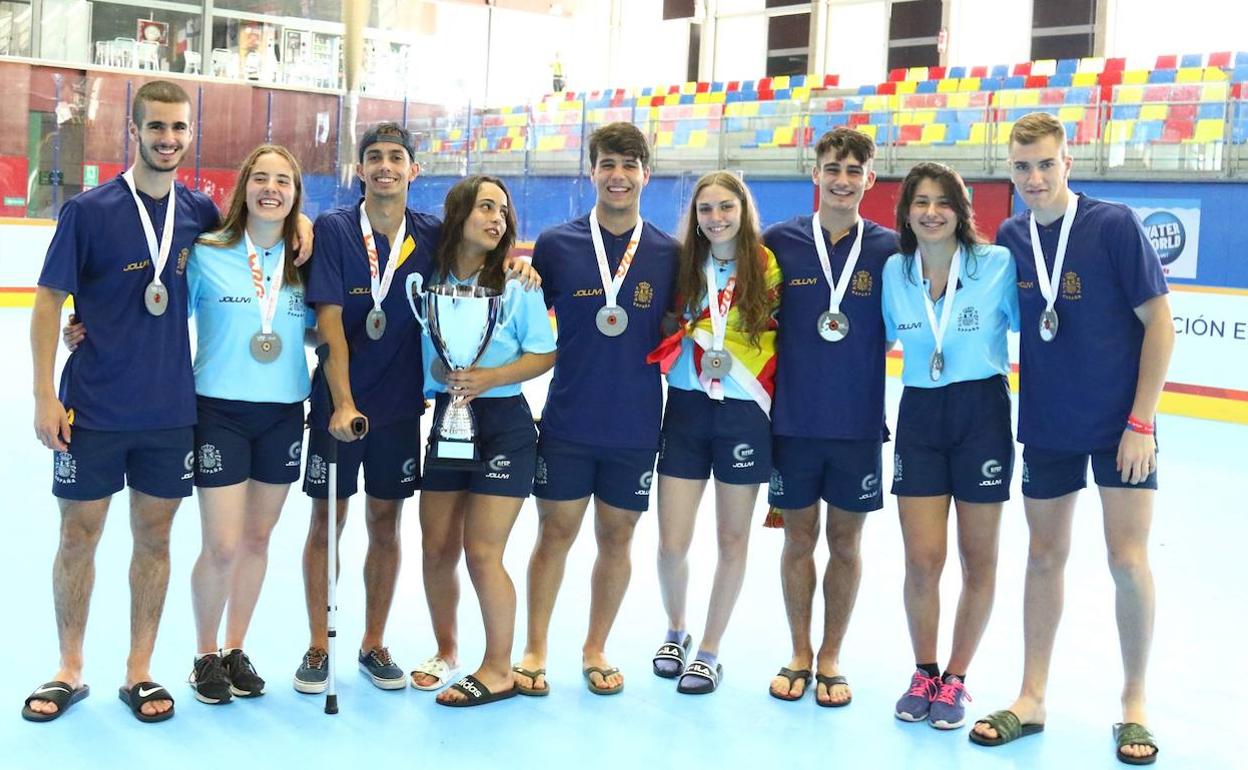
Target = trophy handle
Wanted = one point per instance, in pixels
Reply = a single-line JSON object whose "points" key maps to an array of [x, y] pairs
{"points": [[415, 296], [509, 289]]}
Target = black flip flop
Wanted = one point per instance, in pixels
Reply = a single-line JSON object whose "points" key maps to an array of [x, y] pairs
{"points": [[792, 676], [674, 652], [477, 693], [829, 682], [704, 672], [1008, 726], [532, 692], [146, 692], [59, 693], [1134, 734]]}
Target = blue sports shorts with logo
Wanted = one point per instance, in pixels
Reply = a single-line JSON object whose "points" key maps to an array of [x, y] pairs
{"points": [[570, 470], [955, 440], [240, 440], [845, 473], [731, 438], [390, 456], [1049, 473], [507, 440], [100, 463]]}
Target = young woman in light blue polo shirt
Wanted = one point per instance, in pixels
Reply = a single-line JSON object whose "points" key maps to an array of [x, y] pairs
{"points": [[251, 379], [470, 510], [949, 299]]}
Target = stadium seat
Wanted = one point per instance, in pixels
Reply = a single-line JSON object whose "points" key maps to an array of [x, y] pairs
{"points": [[1115, 65], [1176, 130], [1120, 131], [1000, 71], [1162, 76], [897, 74], [1046, 67], [1220, 59], [1023, 69], [1061, 80], [978, 72], [1135, 77], [1085, 79], [1209, 130], [956, 72], [1192, 60], [1093, 65], [1167, 62], [1068, 66]]}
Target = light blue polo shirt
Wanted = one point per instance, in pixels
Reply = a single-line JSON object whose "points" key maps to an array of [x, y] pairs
{"points": [[224, 305], [683, 374], [527, 330], [985, 308]]}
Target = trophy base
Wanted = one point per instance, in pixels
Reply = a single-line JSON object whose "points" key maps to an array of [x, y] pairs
{"points": [[453, 454]]}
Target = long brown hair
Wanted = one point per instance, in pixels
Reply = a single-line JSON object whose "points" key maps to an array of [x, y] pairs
{"points": [[460, 201], [954, 189], [236, 214], [751, 293]]}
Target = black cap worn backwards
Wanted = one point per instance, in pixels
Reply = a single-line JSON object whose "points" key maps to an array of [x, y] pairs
{"points": [[388, 132]]}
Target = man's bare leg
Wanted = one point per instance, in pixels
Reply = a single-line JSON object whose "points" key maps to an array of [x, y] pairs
{"points": [[151, 518], [797, 582], [840, 592]]}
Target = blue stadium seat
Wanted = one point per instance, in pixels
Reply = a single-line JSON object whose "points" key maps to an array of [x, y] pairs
{"points": [[957, 132], [1211, 111], [1240, 73], [1239, 131], [1066, 67], [970, 116], [946, 116], [990, 84], [881, 118], [1126, 111], [956, 72], [1148, 131], [1192, 60], [1061, 80], [797, 81], [767, 108], [783, 95], [1161, 76], [1078, 95], [853, 104], [866, 90], [926, 87], [1000, 71], [1014, 81]]}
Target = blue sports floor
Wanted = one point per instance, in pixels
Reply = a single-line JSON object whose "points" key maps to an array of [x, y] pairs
{"points": [[1197, 661]]}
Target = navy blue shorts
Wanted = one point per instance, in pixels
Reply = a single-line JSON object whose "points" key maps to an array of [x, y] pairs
{"points": [[100, 463], [1049, 473], [569, 470], [955, 440], [700, 435], [844, 472], [240, 440], [508, 441], [390, 456]]}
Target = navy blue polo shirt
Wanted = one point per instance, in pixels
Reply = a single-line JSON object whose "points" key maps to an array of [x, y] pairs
{"points": [[829, 390], [603, 392], [133, 371], [386, 374], [1075, 393]]}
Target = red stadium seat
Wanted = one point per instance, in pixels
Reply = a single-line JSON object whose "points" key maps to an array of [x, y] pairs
{"points": [[1182, 112], [1115, 65], [911, 133], [1036, 81], [859, 119], [734, 85], [895, 75], [935, 73], [1052, 96], [979, 72], [834, 105], [703, 88], [1156, 93], [1176, 130], [886, 88], [764, 85], [1167, 62], [1220, 59], [1022, 69]]}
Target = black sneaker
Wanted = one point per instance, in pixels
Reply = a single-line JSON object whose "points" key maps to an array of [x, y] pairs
{"points": [[208, 679], [313, 672], [244, 681]]}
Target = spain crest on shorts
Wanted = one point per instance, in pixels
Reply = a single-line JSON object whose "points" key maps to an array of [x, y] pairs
{"points": [[643, 295]]}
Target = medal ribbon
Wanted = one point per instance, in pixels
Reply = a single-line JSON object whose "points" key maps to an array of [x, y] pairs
{"points": [[159, 253], [951, 292], [718, 304], [611, 286], [836, 290], [1048, 283], [267, 299], [379, 284]]}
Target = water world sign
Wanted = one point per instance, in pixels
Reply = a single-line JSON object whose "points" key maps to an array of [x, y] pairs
{"points": [[1173, 227]]}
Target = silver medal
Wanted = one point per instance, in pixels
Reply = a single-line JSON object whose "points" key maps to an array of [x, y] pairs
{"points": [[938, 365], [375, 324], [265, 348], [612, 321], [156, 298], [833, 327], [716, 363], [438, 371], [1048, 324]]}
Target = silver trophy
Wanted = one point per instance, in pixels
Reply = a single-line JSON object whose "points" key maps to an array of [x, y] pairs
{"points": [[461, 320]]}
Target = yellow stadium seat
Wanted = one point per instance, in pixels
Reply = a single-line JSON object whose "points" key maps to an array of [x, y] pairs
{"points": [[1189, 75], [672, 99], [1121, 130], [455, 133], [1215, 74], [960, 100], [719, 97], [875, 103], [734, 109], [1154, 111], [1213, 92], [1071, 113], [783, 135], [800, 94], [1135, 77], [704, 98], [697, 139], [663, 138], [1209, 130], [779, 82], [916, 73], [1007, 98], [933, 132], [969, 84], [1029, 98], [979, 134], [1003, 131], [868, 129], [907, 86], [751, 109], [1084, 79], [655, 112], [947, 86], [1128, 94], [923, 117], [688, 88]]}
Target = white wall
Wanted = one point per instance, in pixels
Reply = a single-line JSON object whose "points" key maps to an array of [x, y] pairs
{"points": [[858, 42], [987, 32], [1147, 28], [740, 47]]}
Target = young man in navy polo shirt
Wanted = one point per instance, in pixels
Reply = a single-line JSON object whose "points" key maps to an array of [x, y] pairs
{"points": [[1095, 343], [828, 410], [126, 403], [609, 278]]}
